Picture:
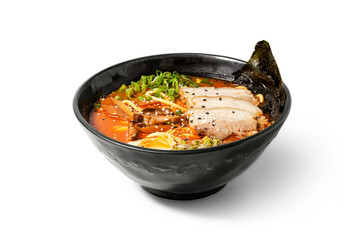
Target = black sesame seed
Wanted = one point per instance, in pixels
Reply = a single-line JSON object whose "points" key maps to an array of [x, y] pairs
{"points": [[205, 128], [206, 90], [186, 92], [220, 99], [191, 106], [191, 121], [232, 111], [204, 99], [213, 124], [103, 119], [207, 112], [193, 94], [217, 93], [203, 106], [199, 118]]}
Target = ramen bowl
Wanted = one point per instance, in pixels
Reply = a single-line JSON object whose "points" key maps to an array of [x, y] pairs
{"points": [[174, 174]]}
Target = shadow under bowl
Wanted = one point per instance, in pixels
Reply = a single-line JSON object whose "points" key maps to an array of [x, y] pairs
{"points": [[174, 174]]}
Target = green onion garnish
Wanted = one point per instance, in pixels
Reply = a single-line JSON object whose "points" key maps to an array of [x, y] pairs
{"points": [[122, 88], [178, 112], [162, 82]]}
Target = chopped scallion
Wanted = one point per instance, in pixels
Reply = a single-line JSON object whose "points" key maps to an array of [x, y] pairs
{"points": [[129, 92], [178, 112], [162, 82], [123, 88], [97, 105]]}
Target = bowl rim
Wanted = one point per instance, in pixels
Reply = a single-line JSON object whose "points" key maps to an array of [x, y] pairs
{"points": [[282, 117]]}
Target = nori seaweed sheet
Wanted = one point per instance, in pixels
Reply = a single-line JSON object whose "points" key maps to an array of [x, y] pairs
{"points": [[261, 76]]}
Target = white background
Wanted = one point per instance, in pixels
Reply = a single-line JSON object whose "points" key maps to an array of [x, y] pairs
{"points": [[54, 184]]}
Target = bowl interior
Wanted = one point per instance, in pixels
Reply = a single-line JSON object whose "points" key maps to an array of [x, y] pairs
{"points": [[194, 64]]}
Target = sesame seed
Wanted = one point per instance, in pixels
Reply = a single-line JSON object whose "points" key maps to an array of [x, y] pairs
{"points": [[193, 94], [204, 99], [232, 111], [203, 106], [207, 112], [199, 118], [206, 90], [217, 93], [220, 99]]}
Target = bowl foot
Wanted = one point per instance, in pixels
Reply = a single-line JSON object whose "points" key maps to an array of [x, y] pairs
{"points": [[176, 196]]}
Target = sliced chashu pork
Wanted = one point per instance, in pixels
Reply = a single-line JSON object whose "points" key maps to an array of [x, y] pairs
{"points": [[242, 94], [221, 122], [220, 112], [222, 101]]}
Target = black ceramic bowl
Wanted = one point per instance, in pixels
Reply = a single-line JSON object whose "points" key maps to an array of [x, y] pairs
{"points": [[186, 174]]}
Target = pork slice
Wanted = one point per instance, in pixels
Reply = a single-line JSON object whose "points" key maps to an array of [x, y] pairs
{"points": [[243, 94], [223, 101], [221, 122], [152, 119]]}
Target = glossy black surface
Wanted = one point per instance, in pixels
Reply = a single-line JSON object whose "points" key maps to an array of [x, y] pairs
{"points": [[174, 174]]}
